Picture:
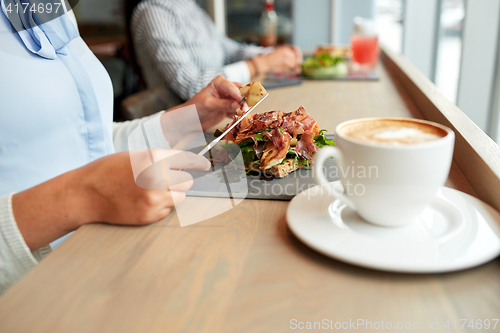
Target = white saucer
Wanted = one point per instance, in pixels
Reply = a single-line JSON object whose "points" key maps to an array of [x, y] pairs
{"points": [[456, 231]]}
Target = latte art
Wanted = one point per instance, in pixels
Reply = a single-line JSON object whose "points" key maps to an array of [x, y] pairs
{"points": [[393, 131]]}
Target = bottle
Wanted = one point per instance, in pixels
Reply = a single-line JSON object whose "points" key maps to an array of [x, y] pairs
{"points": [[364, 44], [269, 25]]}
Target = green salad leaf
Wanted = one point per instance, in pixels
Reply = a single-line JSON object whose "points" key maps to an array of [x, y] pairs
{"points": [[232, 150], [258, 135], [248, 153], [305, 163], [297, 158], [321, 140], [247, 142], [321, 60], [293, 154]]}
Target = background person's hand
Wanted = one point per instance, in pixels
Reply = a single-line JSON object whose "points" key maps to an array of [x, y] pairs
{"points": [[299, 56], [286, 58]]}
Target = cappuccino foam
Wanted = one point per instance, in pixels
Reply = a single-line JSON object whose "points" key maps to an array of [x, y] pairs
{"points": [[393, 131]]}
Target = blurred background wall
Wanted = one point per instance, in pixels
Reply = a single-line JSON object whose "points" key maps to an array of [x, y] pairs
{"points": [[453, 42], [344, 12], [308, 35]]}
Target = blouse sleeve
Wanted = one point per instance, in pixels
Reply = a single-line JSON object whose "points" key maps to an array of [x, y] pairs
{"points": [[16, 259], [154, 132]]}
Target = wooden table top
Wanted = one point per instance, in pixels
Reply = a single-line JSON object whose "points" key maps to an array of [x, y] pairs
{"points": [[242, 271]]}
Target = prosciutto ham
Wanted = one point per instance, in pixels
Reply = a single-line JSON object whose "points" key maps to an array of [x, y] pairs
{"points": [[295, 123], [275, 150], [306, 146], [272, 119], [277, 129]]}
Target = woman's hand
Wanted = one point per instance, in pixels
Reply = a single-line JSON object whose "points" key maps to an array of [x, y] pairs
{"points": [[106, 190], [220, 99], [127, 188]]}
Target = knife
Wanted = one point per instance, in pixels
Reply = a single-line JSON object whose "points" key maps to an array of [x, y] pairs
{"points": [[216, 140]]}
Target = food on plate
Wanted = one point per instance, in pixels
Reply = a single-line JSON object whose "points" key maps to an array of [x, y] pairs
{"points": [[276, 143], [334, 51], [323, 65], [253, 92]]}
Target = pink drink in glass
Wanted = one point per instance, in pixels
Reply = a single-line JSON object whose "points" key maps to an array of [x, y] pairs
{"points": [[364, 51]]}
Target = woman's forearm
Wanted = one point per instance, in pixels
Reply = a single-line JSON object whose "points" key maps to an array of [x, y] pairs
{"points": [[104, 190], [50, 210]]}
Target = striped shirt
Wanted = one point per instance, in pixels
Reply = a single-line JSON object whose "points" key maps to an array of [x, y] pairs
{"points": [[177, 46]]}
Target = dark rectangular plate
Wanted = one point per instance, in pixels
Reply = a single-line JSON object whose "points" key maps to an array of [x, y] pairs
{"points": [[277, 81], [231, 184], [351, 76]]}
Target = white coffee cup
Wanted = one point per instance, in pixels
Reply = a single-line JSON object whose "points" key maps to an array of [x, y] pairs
{"points": [[400, 179]]}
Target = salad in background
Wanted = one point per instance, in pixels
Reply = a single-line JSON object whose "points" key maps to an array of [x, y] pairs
{"points": [[325, 63]]}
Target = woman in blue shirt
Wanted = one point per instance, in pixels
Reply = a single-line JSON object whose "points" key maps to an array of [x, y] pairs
{"points": [[58, 166]]}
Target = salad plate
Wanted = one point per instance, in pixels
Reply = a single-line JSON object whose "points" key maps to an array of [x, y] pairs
{"points": [[324, 66], [333, 63]]}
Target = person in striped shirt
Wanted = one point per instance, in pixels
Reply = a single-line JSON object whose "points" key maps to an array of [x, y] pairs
{"points": [[177, 45]]}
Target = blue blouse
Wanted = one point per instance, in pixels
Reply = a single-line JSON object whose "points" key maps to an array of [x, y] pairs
{"points": [[56, 102]]}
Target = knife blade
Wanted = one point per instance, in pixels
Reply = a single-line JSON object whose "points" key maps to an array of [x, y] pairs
{"points": [[216, 140]]}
